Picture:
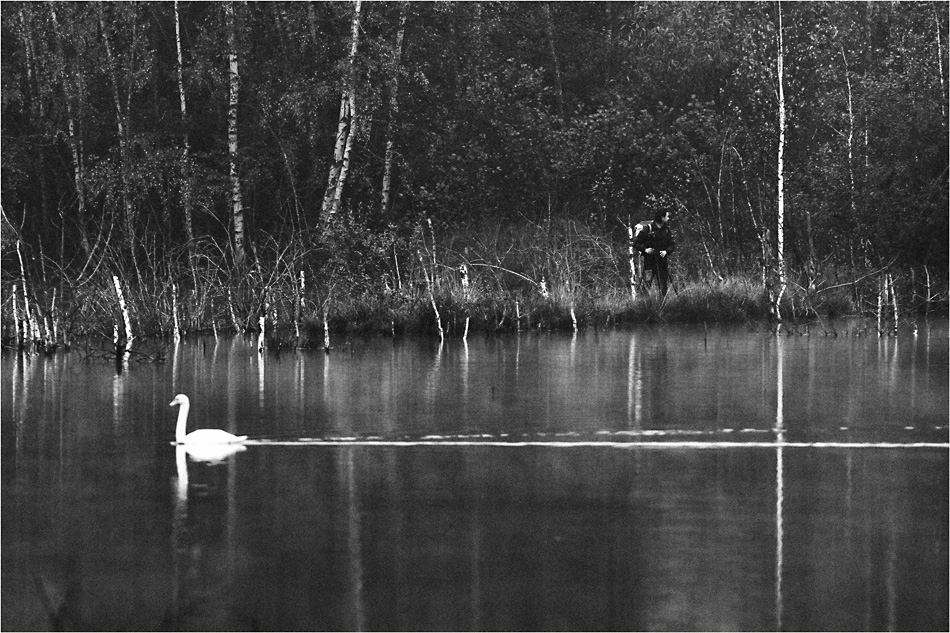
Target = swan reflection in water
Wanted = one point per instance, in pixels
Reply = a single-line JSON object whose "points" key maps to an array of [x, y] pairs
{"points": [[204, 561]]}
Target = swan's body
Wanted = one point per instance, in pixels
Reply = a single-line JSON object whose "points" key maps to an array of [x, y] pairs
{"points": [[201, 436], [211, 453]]}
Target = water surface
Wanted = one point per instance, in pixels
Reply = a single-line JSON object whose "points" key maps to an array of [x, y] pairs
{"points": [[652, 479]]}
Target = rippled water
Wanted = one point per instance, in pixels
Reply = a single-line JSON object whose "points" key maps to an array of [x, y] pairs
{"points": [[652, 479]]}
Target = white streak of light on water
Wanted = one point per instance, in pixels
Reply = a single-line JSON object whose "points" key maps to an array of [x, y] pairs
{"points": [[591, 444]]}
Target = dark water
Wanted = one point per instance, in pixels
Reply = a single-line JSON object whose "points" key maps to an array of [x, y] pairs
{"points": [[656, 479]]}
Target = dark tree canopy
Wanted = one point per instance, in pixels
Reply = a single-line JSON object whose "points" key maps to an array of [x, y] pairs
{"points": [[507, 112]]}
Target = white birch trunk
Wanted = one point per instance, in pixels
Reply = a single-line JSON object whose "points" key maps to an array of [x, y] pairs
{"points": [[16, 318], [237, 206], [176, 331], [300, 300], [943, 89], [393, 113], [345, 130], [186, 173], [429, 281], [127, 321], [633, 264], [847, 76], [780, 225], [890, 283]]}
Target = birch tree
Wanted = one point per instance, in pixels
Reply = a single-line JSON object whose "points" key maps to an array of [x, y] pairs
{"points": [[234, 81], [346, 129], [664, 96], [393, 111], [187, 174], [122, 125], [780, 221], [940, 56], [72, 95]]}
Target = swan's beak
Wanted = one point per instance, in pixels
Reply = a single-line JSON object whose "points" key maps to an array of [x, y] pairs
{"points": [[173, 402]]}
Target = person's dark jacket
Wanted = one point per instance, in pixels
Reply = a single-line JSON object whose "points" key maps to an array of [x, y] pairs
{"points": [[659, 238]]}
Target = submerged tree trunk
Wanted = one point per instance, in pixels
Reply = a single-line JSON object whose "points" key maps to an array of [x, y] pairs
{"points": [[393, 112], [780, 225], [346, 129], [187, 174], [237, 207]]}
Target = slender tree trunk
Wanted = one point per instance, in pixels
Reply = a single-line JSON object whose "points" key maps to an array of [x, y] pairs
{"points": [[868, 52], [187, 174], [611, 62], [719, 211], [346, 129], [123, 131], [780, 226], [632, 254], [943, 89], [75, 143], [319, 46], [393, 112], [26, 33], [237, 207], [847, 76], [37, 110], [549, 31], [312, 23]]}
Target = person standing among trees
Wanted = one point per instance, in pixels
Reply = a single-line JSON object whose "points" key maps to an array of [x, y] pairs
{"points": [[656, 243]]}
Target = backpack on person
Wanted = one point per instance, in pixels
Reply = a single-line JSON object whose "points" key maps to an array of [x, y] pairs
{"points": [[642, 230]]}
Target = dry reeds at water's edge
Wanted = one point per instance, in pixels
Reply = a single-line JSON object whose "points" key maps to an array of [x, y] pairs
{"points": [[297, 293]]}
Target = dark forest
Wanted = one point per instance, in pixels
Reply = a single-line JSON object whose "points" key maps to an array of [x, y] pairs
{"points": [[401, 166]]}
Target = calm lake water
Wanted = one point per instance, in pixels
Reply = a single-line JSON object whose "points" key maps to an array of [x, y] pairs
{"points": [[652, 479]]}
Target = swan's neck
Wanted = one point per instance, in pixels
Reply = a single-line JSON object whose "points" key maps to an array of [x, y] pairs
{"points": [[182, 422], [181, 464]]}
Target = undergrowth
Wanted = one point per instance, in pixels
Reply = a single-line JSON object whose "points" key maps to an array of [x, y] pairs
{"points": [[355, 281]]}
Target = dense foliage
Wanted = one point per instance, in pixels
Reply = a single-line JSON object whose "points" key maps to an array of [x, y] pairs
{"points": [[499, 114]]}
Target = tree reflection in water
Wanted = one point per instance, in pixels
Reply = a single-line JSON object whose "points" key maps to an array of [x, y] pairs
{"points": [[648, 479]]}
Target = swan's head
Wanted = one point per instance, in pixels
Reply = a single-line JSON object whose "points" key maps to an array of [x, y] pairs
{"points": [[179, 400]]}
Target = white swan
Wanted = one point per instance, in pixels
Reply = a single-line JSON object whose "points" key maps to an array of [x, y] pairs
{"points": [[201, 436], [212, 453]]}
